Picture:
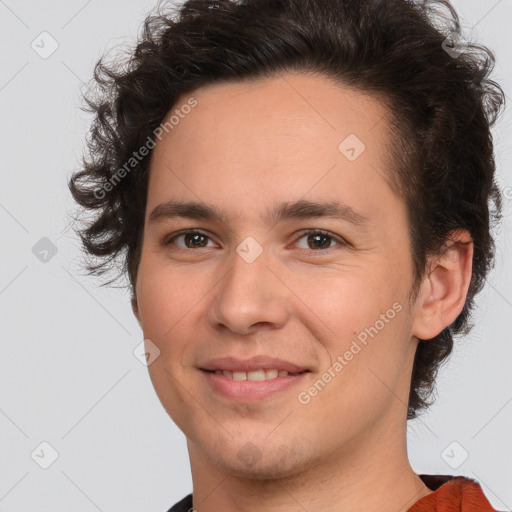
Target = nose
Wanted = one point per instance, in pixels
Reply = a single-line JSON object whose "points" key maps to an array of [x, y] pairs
{"points": [[250, 296]]}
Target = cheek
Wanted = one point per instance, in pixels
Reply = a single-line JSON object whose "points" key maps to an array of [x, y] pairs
{"points": [[165, 300], [360, 380], [165, 292], [361, 323], [343, 302], [165, 310]]}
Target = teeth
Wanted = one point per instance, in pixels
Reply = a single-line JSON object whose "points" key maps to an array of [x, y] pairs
{"points": [[272, 374], [253, 375]]}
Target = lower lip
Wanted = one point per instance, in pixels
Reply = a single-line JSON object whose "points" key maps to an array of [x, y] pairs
{"points": [[250, 390]]}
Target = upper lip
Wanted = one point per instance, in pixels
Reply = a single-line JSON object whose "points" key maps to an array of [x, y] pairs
{"points": [[253, 363]]}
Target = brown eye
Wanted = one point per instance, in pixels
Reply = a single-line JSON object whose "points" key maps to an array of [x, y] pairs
{"points": [[320, 240], [316, 240], [192, 239]]}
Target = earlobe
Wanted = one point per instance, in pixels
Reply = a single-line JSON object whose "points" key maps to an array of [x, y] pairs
{"points": [[445, 286]]}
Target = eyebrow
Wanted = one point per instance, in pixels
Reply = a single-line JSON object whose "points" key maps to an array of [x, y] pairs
{"points": [[301, 209]]}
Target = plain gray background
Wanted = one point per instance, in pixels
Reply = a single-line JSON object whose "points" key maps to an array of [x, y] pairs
{"points": [[68, 375]]}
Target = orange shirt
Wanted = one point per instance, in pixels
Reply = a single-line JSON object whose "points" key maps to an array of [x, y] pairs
{"points": [[452, 494]]}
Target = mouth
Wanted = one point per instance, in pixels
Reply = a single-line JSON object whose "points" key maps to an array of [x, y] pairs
{"points": [[251, 386], [255, 375]]}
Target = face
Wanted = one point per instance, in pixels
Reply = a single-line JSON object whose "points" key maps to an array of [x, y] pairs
{"points": [[325, 290]]}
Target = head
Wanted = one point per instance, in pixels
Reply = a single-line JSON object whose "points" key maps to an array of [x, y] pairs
{"points": [[254, 105]]}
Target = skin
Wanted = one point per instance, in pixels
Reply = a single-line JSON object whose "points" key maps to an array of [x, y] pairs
{"points": [[244, 148]]}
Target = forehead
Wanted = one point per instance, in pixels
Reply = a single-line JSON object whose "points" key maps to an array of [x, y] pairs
{"points": [[275, 140]]}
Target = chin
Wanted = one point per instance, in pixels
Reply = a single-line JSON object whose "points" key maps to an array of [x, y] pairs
{"points": [[271, 463]]}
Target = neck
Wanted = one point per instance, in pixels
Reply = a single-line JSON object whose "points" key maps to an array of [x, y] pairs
{"points": [[376, 476]]}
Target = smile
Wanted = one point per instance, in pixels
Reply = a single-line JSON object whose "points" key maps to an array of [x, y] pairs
{"points": [[254, 375], [251, 386]]}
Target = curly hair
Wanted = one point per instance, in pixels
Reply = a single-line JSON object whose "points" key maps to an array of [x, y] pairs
{"points": [[410, 54]]}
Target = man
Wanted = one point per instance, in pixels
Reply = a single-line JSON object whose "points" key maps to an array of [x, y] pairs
{"points": [[303, 192]]}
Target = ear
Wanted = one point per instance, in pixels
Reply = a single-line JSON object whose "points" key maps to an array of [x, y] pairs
{"points": [[445, 286], [135, 309]]}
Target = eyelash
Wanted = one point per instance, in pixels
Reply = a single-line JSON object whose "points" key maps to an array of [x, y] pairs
{"points": [[304, 233]]}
